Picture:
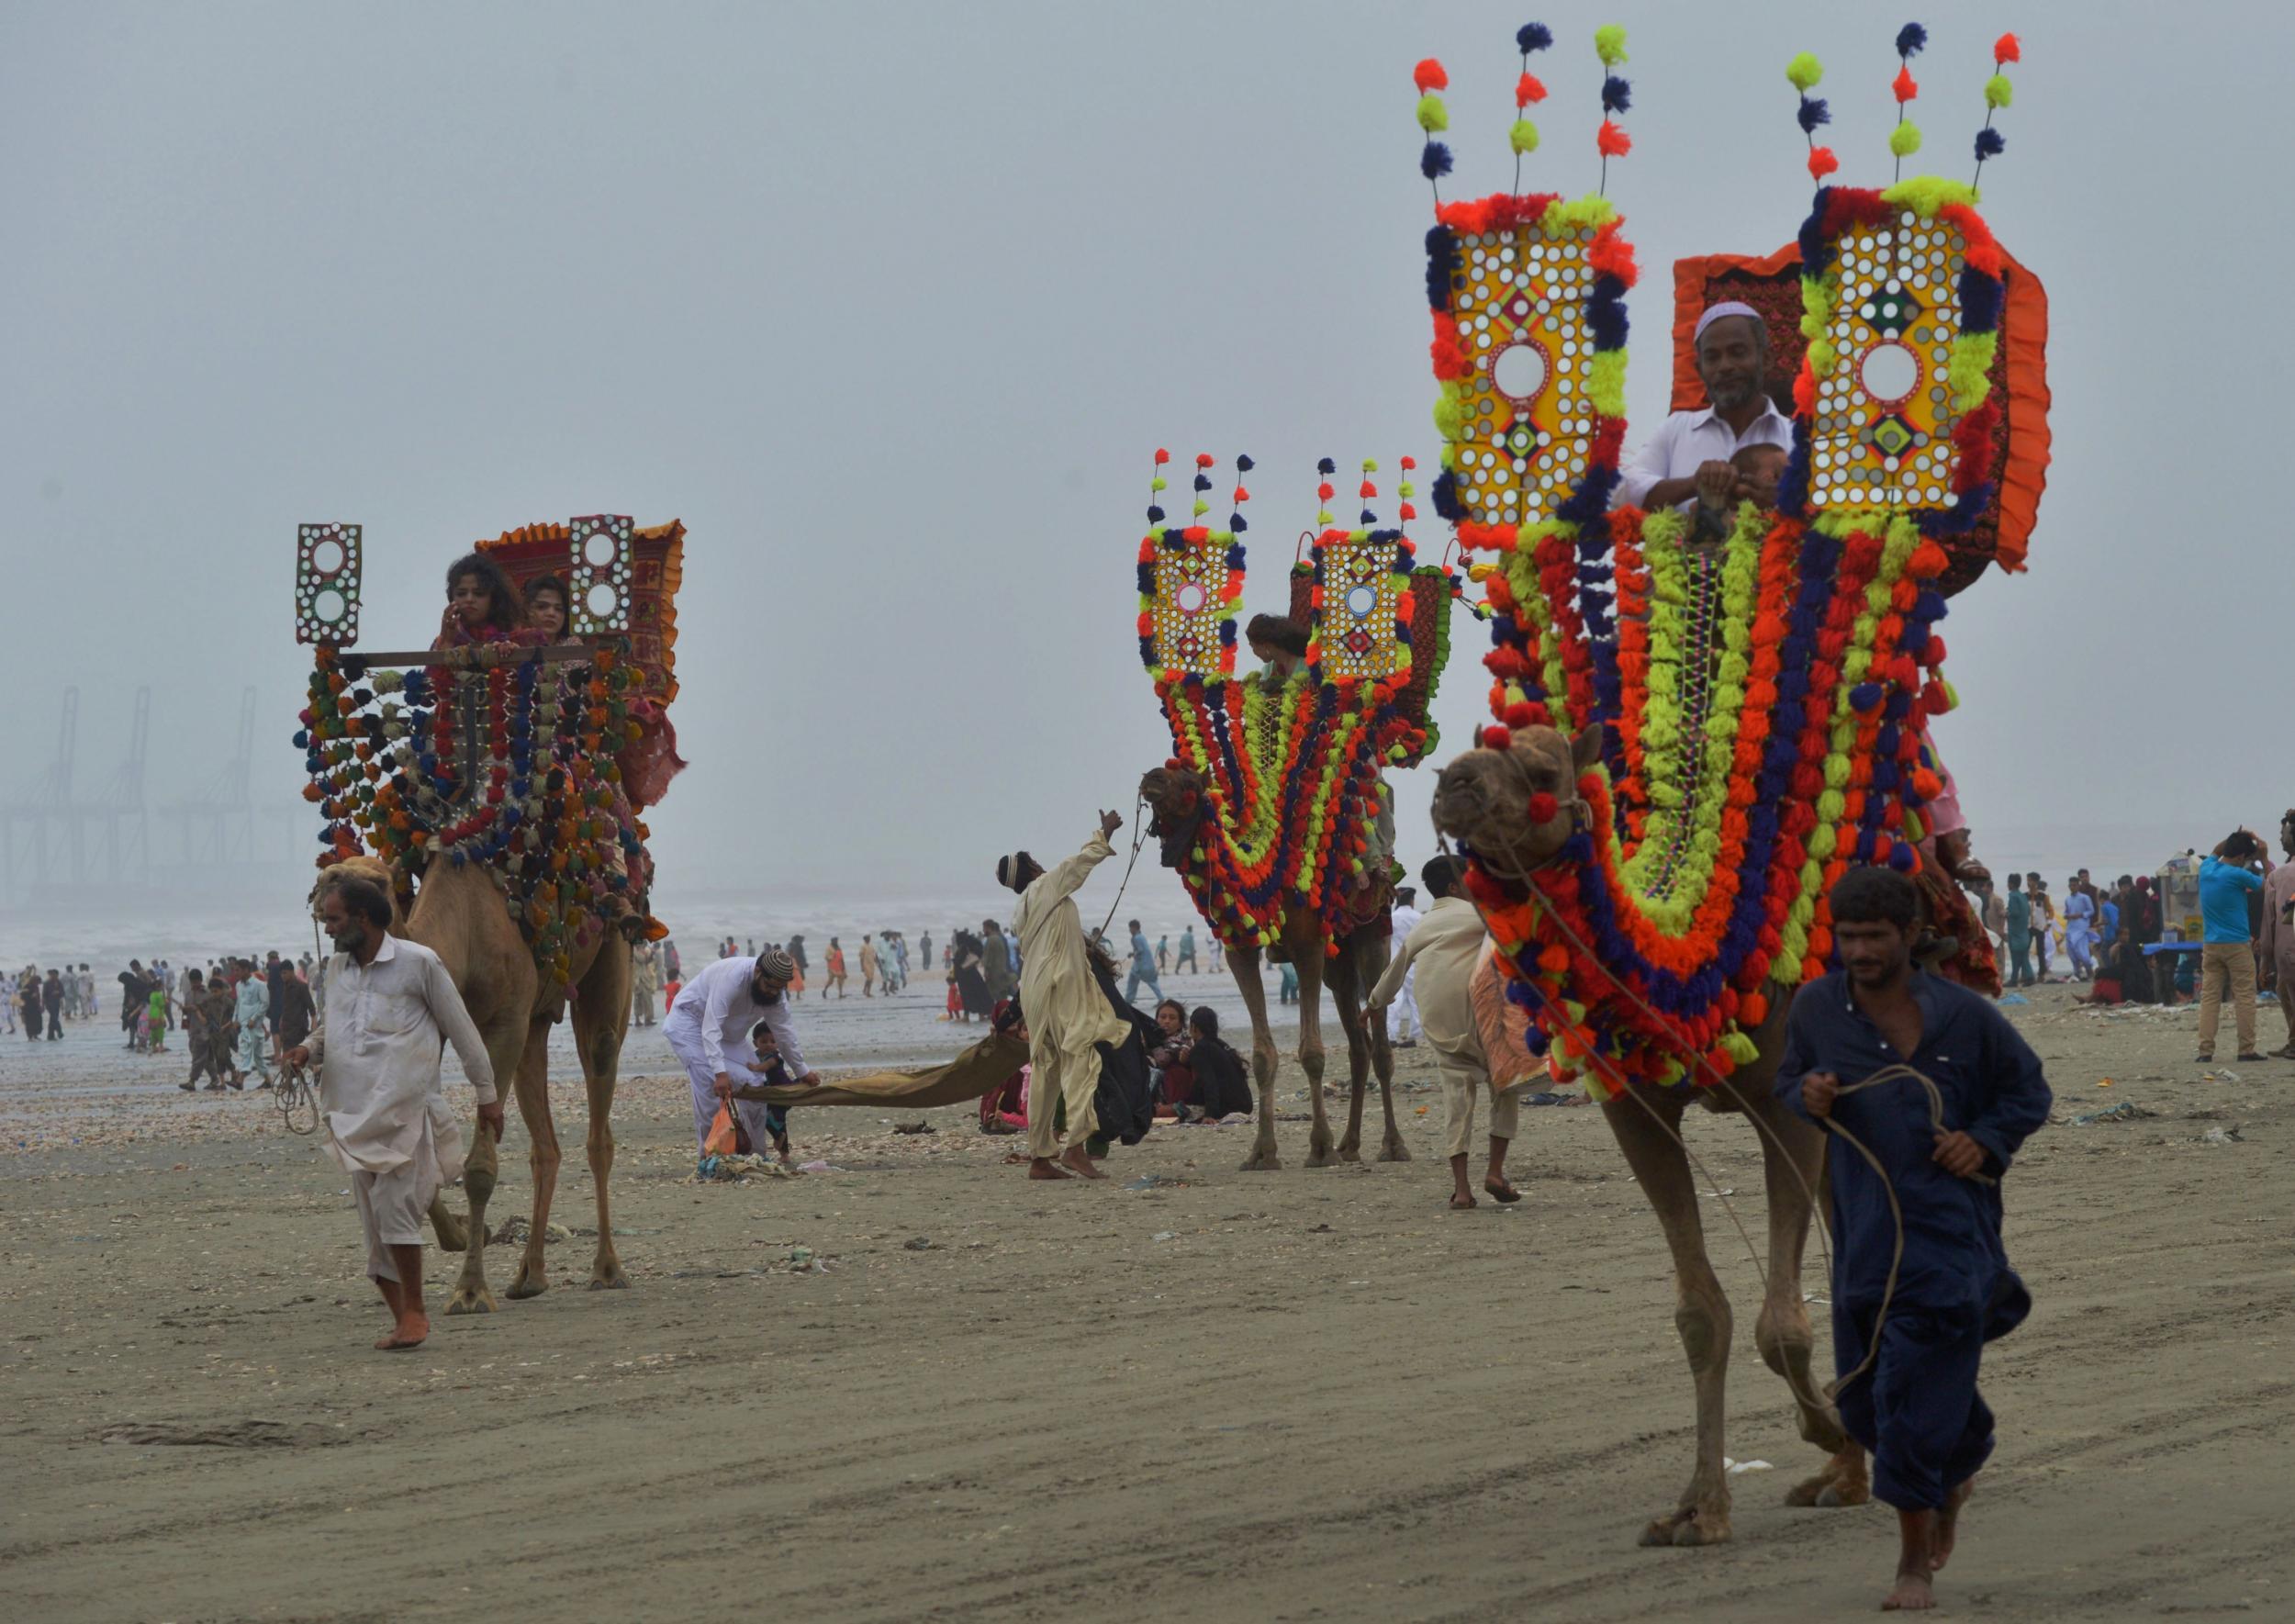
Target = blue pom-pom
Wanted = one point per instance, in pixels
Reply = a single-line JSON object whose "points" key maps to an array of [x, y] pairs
{"points": [[1533, 37], [1900, 857], [1155, 515], [1325, 466], [1435, 160], [1813, 113], [1990, 144], [1202, 482], [1616, 95], [1244, 465], [1369, 517], [1236, 523], [1865, 696], [1910, 39]]}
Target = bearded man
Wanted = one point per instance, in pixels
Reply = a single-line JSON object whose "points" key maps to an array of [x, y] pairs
{"points": [[1688, 457], [712, 1019]]}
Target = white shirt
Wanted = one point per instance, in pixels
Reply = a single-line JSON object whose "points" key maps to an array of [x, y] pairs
{"points": [[1406, 917], [1687, 440], [718, 1009], [378, 1049], [1446, 949]]}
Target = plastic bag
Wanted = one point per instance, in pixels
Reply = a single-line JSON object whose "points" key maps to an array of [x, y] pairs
{"points": [[724, 1135]]}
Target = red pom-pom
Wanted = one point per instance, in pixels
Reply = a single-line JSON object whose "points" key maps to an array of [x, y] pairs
{"points": [[1162, 456], [1821, 162], [1612, 141], [2006, 48], [1324, 492], [1203, 459], [1409, 513], [1543, 806], [1408, 463], [1429, 75], [1242, 494], [1527, 89], [1905, 86], [1369, 490], [1496, 738], [1521, 713], [1146, 624]]}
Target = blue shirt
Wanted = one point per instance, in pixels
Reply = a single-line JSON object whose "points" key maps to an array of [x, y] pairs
{"points": [[1993, 1089], [1142, 957], [2019, 911], [2223, 889]]}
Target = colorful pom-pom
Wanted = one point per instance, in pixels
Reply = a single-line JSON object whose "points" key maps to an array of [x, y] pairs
{"points": [[1543, 806], [1244, 465], [1997, 90], [1432, 115], [1162, 456], [1523, 137], [1904, 85], [1610, 43], [1990, 144], [1429, 75], [1408, 463], [1813, 112], [1612, 141], [1496, 738], [1911, 39], [1532, 37], [1325, 466], [1241, 495], [1821, 162], [1203, 459], [1617, 95], [1905, 139], [1529, 89], [1434, 160], [1804, 71], [1158, 483], [2008, 49]]}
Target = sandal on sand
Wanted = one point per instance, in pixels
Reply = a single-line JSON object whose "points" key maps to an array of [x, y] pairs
{"points": [[1463, 1207], [1504, 1192]]}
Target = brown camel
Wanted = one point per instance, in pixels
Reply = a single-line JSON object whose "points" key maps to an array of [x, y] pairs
{"points": [[461, 915], [1350, 973], [1482, 798]]}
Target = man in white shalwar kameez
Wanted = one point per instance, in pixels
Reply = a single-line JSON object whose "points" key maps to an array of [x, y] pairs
{"points": [[387, 1123], [1065, 1010], [708, 1027], [1403, 1027], [1443, 954]]}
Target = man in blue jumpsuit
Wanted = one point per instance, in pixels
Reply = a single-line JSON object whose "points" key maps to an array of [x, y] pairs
{"points": [[1917, 1409]]}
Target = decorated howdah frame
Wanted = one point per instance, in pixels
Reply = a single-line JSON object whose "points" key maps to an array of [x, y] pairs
{"points": [[512, 766], [1760, 701], [1291, 771]]}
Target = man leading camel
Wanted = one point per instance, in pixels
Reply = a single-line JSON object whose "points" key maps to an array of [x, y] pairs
{"points": [[391, 1006], [1920, 1275], [1067, 1014], [712, 1018]]}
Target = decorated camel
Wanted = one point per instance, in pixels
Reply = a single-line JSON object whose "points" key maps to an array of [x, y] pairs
{"points": [[1697, 732], [1273, 807], [490, 781]]}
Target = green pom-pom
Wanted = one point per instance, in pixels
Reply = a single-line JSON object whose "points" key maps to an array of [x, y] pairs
{"points": [[1524, 135], [1432, 114], [1202, 506], [1610, 43], [1997, 90], [1804, 71], [1158, 483], [1905, 139], [1741, 1049]]}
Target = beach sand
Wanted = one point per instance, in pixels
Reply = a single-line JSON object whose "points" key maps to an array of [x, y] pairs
{"points": [[921, 1387]]}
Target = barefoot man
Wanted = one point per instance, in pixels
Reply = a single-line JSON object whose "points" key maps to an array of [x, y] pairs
{"points": [[1066, 1012], [1917, 1409], [390, 1004]]}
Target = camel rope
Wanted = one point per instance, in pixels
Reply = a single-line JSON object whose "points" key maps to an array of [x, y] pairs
{"points": [[1139, 838], [298, 1100]]}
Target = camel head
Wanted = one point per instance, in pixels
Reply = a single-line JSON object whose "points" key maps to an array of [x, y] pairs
{"points": [[1515, 807], [1174, 798]]}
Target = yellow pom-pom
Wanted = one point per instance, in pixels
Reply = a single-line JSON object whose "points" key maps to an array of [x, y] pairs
{"points": [[1610, 43], [1997, 90], [1523, 135], [1432, 114], [1905, 139], [1804, 71]]}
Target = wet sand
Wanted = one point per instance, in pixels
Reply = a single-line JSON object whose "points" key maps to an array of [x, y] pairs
{"points": [[923, 1386]]}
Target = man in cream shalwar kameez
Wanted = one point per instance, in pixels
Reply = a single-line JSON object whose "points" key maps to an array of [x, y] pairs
{"points": [[1446, 949], [390, 1005], [1066, 1011]]}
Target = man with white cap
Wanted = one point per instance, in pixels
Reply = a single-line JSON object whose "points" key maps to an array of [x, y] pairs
{"points": [[708, 1026], [1689, 455], [1068, 1016]]}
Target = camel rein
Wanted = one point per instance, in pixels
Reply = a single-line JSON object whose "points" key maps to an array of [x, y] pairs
{"points": [[1619, 1085], [1139, 838]]}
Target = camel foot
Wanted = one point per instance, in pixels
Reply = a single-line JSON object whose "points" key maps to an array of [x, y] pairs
{"points": [[1321, 1156], [1689, 1527], [531, 1283], [470, 1299], [1842, 1482], [1350, 1150], [1393, 1149], [610, 1279], [1262, 1159], [453, 1235]]}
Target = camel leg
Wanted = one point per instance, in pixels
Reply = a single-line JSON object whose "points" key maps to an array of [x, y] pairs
{"points": [[447, 1223], [1347, 1000], [1308, 957], [1245, 965], [1793, 1156], [599, 1037], [1701, 1312], [505, 1037], [541, 1137]]}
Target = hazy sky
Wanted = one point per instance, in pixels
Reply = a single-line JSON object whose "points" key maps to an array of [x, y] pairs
{"points": [[891, 303]]}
